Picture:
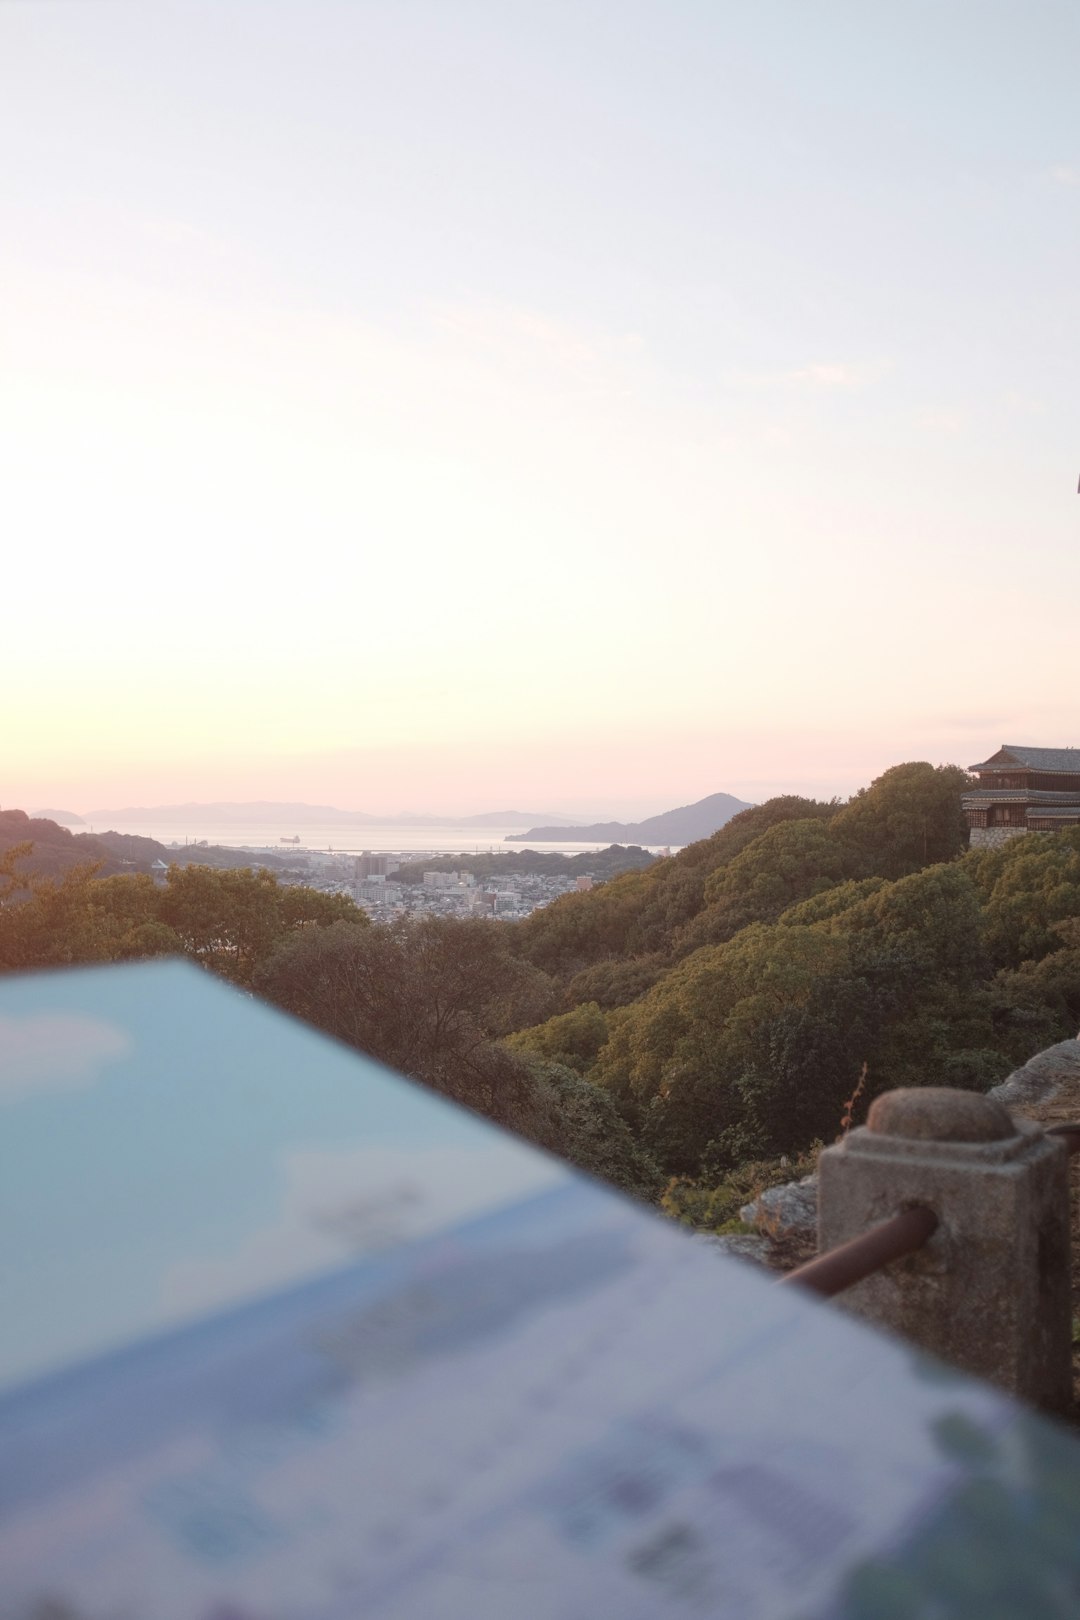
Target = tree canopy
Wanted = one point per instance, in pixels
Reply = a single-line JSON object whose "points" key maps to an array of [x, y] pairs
{"points": [[430, 997], [729, 998], [229, 920]]}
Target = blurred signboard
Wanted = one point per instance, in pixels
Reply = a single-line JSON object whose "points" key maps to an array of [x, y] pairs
{"points": [[286, 1337]]}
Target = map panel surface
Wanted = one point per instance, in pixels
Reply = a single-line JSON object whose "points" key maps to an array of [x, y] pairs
{"points": [[288, 1338]]}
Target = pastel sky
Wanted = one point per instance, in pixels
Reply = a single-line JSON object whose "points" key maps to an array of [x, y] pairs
{"points": [[576, 403]]}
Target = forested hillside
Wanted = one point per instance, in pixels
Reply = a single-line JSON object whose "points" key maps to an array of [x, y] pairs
{"points": [[707, 1013], [55, 849], [728, 998]]}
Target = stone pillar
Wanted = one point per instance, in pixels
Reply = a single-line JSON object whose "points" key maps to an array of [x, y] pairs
{"points": [[990, 1292]]}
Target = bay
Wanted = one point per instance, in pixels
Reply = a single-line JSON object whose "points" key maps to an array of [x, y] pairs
{"points": [[380, 838]]}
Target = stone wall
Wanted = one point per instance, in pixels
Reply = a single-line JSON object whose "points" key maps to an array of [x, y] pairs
{"points": [[994, 837]]}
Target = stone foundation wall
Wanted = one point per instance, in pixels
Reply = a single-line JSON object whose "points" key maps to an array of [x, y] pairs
{"points": [[994, 837]]}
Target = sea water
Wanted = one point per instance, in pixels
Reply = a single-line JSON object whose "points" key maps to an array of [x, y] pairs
{"points": [[392, 837]]}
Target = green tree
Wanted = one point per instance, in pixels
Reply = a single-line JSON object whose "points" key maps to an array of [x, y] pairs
{"points": [[1029, 885], [789, 862], [638, 914], [572, 1039], [230, 920], [907, 818], [616, 981], [934, 917], [1038, 1003], [580, 1122], [429, 997], [11, 878], [694, 1061], [830, 903], [579, 929], [57, 924], [127, 910]]}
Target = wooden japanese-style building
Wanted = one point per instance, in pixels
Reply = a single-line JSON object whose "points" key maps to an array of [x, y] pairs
{"points": [[1023, 790]]}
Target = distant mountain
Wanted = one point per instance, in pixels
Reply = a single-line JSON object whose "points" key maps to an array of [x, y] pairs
{"points": [[63, 818], [272, 813], [250, 813], [683, 826], [511, 818]]}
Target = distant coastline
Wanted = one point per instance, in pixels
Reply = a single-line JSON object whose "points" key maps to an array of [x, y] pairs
{"points": [[265, 825], [390, 837]]}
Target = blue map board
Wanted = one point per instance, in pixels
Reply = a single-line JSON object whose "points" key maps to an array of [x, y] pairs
{"points": [[286, 1337]]}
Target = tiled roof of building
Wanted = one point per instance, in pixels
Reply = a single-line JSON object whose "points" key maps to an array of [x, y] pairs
{"points": [[1059, 760], [996, 795]]}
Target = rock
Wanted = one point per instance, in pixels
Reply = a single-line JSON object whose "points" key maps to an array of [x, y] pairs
{"points": [[1040, 1077], [787, 1211], [742, 1245]]}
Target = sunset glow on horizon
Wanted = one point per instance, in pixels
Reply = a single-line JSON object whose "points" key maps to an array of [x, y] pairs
{"points": [[589, 408]]}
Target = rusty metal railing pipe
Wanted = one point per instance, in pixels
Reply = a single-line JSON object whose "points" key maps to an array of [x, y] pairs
{"points": [[902, 1234]]}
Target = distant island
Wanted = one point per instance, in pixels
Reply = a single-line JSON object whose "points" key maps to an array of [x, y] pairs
{"points": [[63, 818], [490, 818], [257, 811], [683, 826]]}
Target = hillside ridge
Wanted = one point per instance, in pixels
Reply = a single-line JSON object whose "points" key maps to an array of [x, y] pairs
{"points": [[684, 825]]}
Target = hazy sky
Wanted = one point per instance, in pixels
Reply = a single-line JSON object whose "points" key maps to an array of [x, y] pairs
{"points": [[585, 403]]}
